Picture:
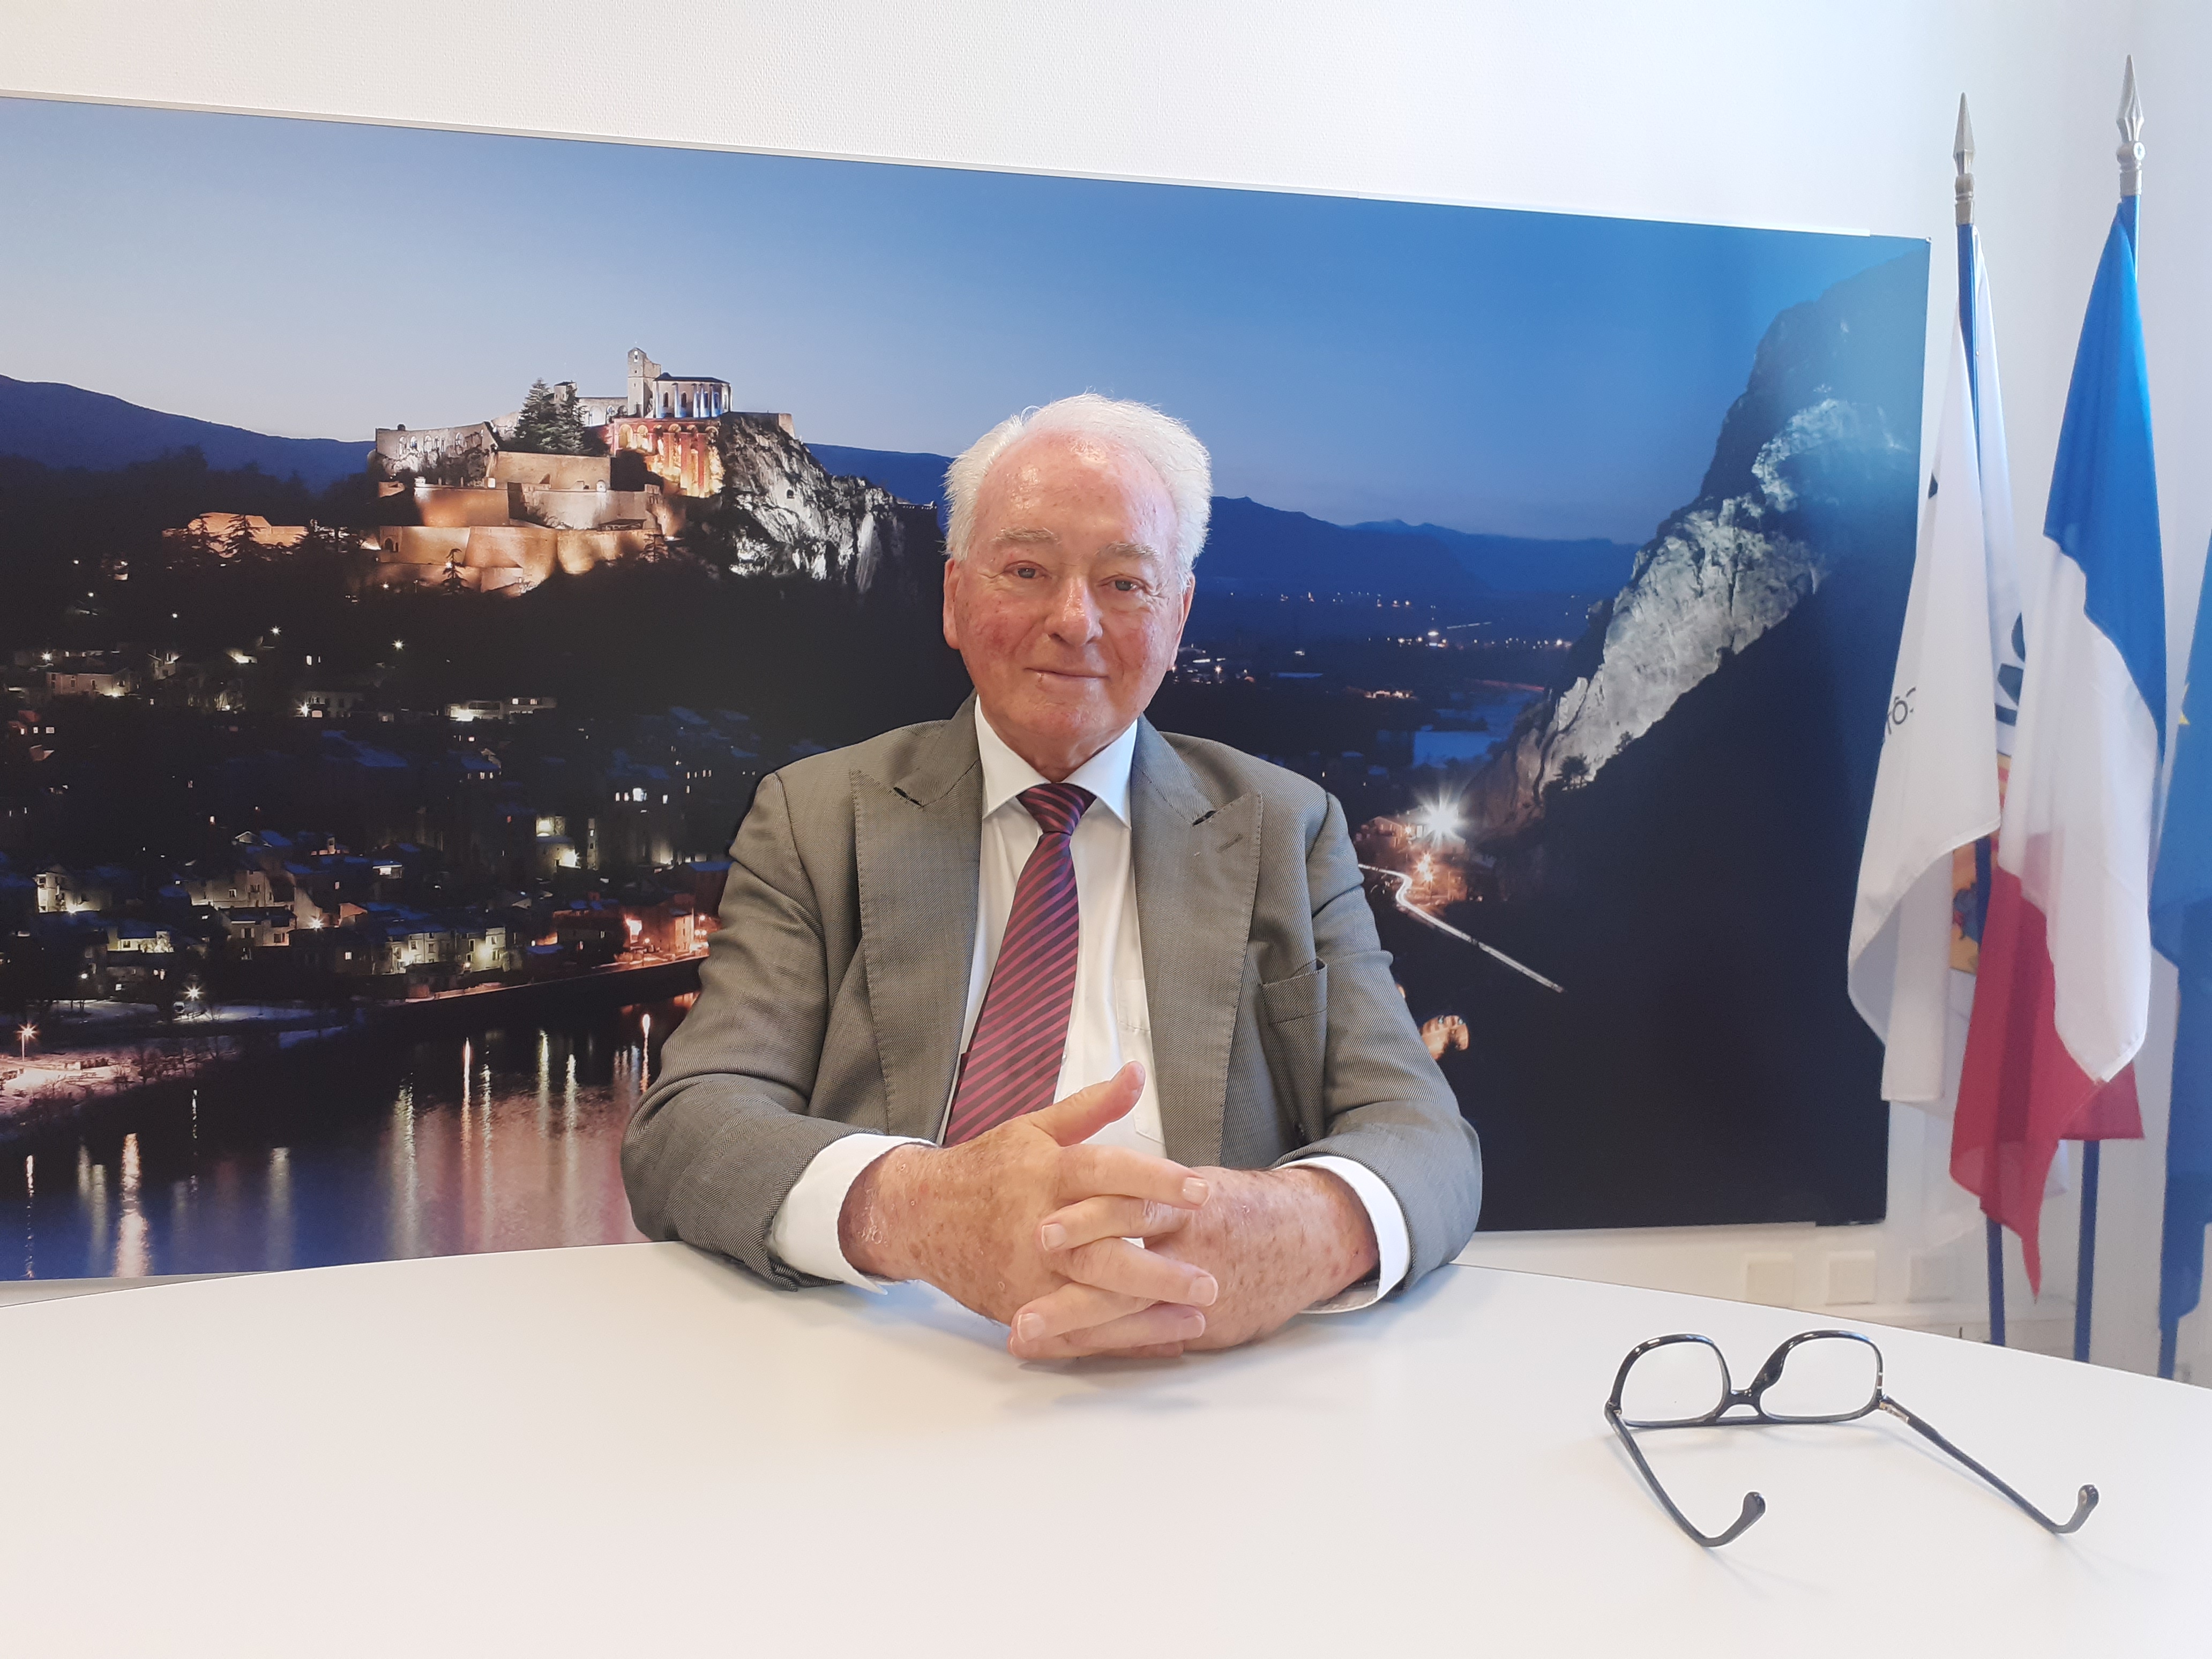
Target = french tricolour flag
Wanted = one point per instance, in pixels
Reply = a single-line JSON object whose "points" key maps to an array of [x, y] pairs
{"points": [[2064, 992]]}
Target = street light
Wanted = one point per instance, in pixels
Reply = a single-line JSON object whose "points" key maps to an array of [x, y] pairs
{"points": [[26, 1032], [1438, 820]]}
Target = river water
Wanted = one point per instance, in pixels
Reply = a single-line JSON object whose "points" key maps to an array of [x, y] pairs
{"points": [[504, 1138]]}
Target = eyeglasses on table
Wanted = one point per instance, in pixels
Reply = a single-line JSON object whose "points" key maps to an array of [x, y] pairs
{"points": [[1681, 1382]]}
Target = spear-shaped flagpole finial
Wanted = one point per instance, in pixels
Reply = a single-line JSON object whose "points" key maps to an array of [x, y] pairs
{"points": [[2131, 149], [1962, 152]]}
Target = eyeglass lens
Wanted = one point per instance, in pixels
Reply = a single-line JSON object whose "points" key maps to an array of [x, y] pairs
{"points": [[1674, 1383], [1824, 1377]]}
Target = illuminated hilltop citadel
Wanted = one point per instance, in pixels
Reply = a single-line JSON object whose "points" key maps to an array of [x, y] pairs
{"points": [[456, 509]]}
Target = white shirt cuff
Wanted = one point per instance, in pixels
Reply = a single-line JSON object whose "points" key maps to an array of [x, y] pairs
{"points": [[1394, 1249], [804, 1234]]}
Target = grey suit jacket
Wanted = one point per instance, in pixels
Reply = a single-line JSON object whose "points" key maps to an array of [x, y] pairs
{"points": [[832, 995]]}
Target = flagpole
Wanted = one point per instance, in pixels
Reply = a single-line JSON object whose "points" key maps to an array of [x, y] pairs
{"points": [[2085, 1273], [1962, 191], [2130, 156]]}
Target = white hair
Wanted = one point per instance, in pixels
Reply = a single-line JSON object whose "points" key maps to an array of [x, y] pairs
{"points": [[1160, 441]]}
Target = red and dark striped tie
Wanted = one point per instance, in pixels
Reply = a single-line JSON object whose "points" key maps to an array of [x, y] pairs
{"points": [[1013, 1059]]}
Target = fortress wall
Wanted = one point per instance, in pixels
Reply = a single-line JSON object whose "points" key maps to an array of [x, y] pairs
{"points": [[417, 543], [529, 548], [494, 558], [580, 549], [511, 466], [453, 507], [580, 510]]}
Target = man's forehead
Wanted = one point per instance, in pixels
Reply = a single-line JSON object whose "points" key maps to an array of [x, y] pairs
{"points": [[1044, 535], [1040, 462], [1085, 446]]}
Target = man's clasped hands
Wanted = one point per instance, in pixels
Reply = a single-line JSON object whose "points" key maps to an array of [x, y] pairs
{"points": [[1028, 1225]]}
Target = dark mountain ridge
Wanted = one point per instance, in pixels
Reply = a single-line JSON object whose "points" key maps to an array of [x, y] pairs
{"points": [[67, 426], [1526, 564], [910, 475]]}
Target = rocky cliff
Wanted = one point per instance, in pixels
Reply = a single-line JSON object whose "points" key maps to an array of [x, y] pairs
{"points": [[1827, 424], [780, 512]]}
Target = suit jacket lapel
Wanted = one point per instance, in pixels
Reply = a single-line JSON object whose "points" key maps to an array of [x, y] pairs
{"points": [[917, 840], [1198, 872]]}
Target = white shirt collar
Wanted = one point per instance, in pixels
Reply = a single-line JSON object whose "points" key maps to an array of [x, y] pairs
{"points": [[1105, 774]]}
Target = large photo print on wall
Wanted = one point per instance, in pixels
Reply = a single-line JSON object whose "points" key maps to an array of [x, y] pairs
{"points": [[417, 546]]}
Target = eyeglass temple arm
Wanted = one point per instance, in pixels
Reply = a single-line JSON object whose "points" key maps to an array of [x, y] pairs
{"points": [[1753, 1505], [2085, 1501]]}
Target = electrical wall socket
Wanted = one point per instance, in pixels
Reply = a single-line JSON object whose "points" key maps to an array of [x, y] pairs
{"points": [[1771, 1279], [1850, 1277]]}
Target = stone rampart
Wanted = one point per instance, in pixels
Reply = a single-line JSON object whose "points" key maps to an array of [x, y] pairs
{"points": [[452, 508], [582, 510], [512, 466]]}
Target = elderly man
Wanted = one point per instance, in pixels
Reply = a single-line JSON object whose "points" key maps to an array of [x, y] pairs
{"points": [[1085, 1025]]}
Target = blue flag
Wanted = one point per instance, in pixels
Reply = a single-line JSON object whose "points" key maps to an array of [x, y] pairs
{"points": [[2181, 927]]}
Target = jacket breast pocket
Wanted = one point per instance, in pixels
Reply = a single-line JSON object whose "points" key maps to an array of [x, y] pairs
{"points": [[1302, 996], [1294, 1034]]}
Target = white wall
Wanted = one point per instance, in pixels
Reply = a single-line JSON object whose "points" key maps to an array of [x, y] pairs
{"points": [[1750, 112]]}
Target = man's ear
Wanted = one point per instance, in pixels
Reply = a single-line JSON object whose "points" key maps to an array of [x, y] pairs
{"points": [[953, 602]]}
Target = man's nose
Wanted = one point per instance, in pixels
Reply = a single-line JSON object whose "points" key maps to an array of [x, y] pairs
{"points": [[1074, 614]]}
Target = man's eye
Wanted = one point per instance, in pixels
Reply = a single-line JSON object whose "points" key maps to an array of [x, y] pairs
{"points": [[1126, 585], [1026, 571]]}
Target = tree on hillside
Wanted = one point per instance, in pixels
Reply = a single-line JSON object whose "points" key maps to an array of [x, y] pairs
{"points": [[238, 547], [334, 555], [550, 423], [195, 549]]}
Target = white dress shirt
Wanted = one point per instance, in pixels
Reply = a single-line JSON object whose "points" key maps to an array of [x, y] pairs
{"points": [[1108, 1022]]}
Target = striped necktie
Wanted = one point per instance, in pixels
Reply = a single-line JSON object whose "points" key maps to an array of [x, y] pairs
{"points": [[1013, 1059]]}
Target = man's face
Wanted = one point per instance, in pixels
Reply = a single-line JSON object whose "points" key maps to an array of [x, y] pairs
{"points": [[1068, 607]]}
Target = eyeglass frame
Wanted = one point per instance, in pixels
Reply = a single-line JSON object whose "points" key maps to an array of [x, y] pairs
{"points": [[1754, 1505]]}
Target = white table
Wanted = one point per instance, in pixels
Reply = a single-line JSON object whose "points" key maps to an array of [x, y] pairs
{"points": [[637, 1449]]}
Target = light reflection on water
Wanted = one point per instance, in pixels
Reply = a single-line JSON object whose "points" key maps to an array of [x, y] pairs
{"points": [[507, 1138]]}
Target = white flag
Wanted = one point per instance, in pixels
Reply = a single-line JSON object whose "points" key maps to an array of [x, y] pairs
{"points": [[1935, 789], [2010, 568]]}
